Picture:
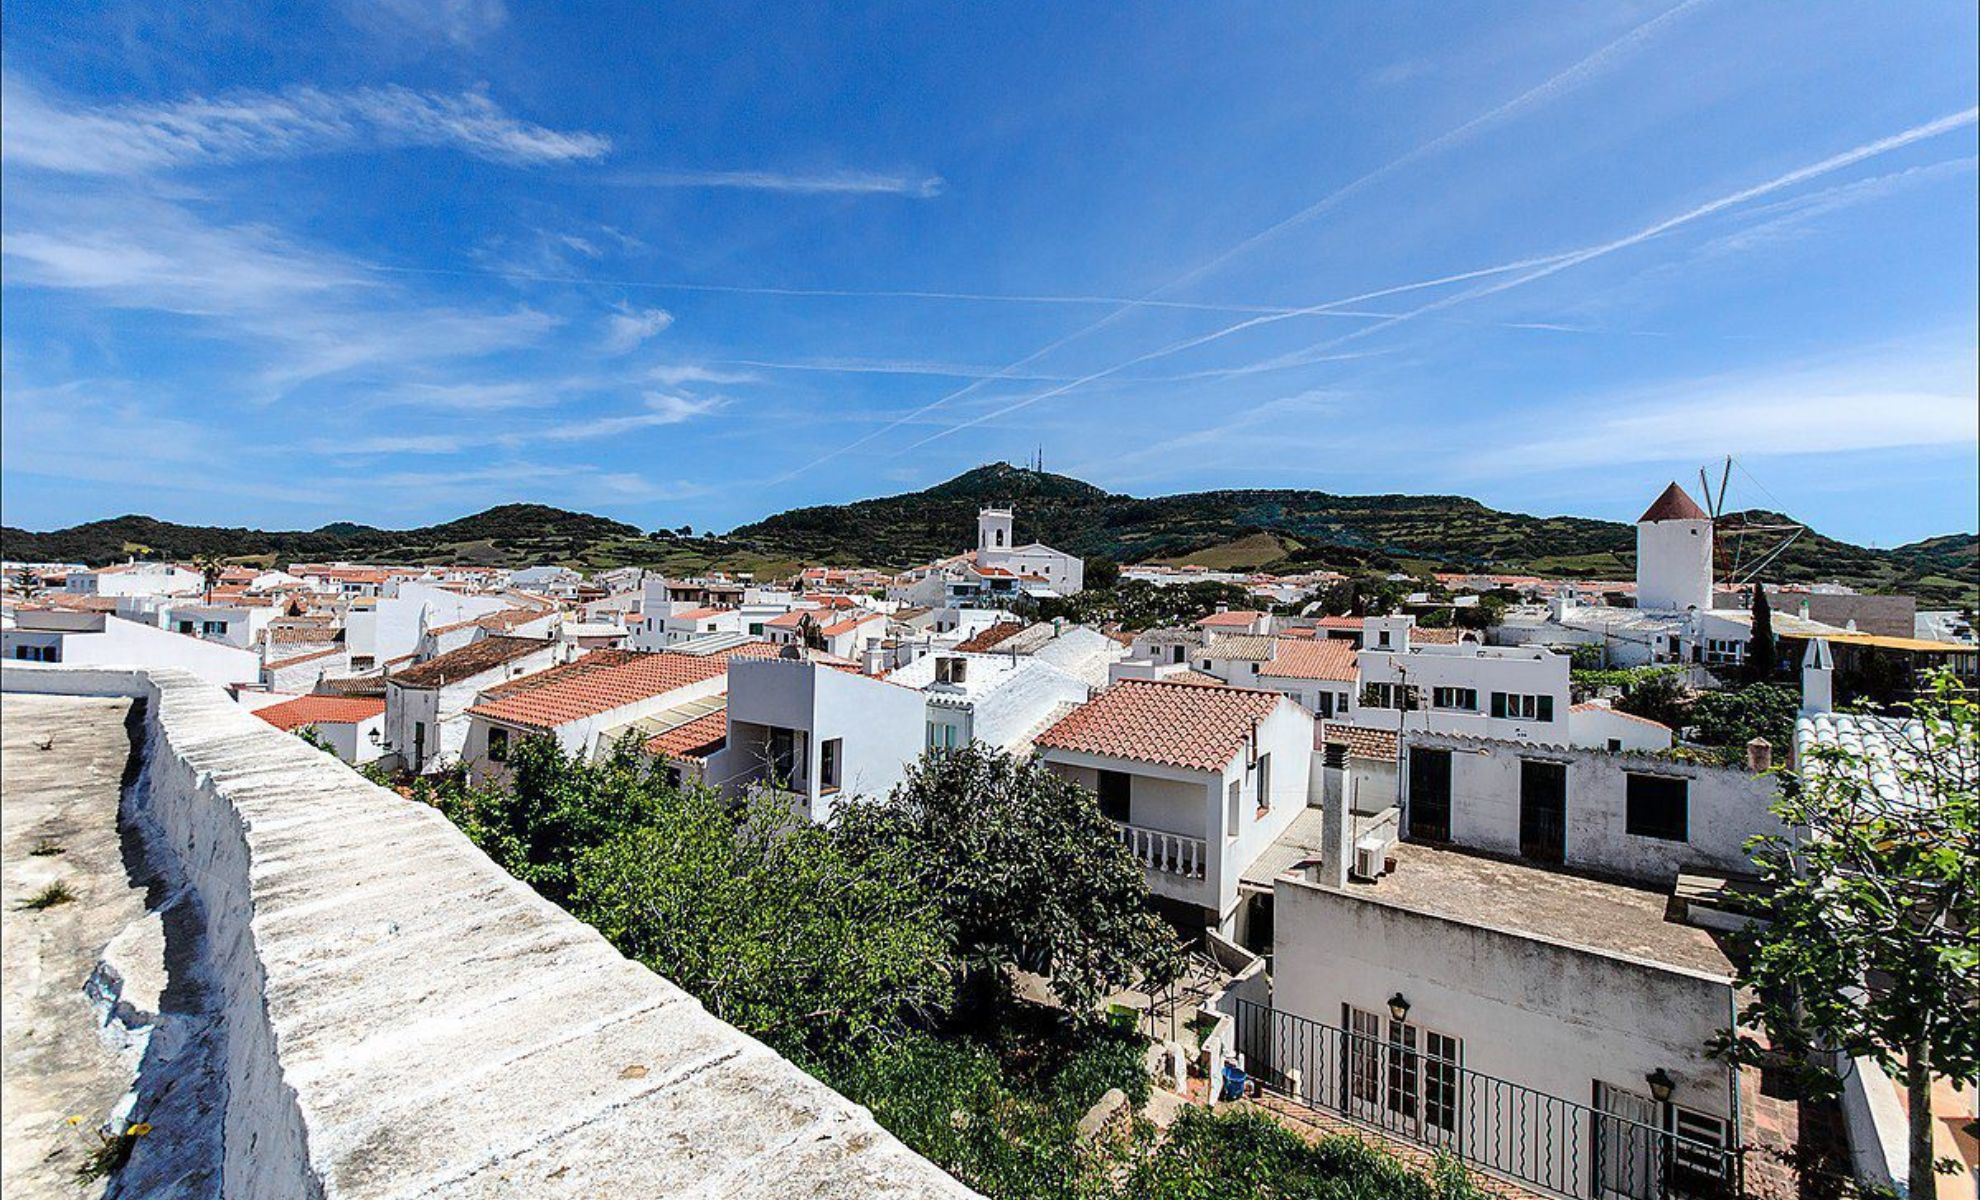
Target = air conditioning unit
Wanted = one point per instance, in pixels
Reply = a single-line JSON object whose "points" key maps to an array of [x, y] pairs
{"points": [[1368, 859]]}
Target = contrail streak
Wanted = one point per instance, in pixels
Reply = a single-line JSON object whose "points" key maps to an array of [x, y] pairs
{"points": [[1540, 268], [1540, 93]]}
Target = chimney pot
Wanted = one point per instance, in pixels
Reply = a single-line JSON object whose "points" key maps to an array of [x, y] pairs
{"points": [[1759, 755]]}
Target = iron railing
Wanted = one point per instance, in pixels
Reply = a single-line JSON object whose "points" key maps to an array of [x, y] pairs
{"points": [[1409, 1083]]}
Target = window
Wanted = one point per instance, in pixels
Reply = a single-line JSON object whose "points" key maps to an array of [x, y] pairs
{"points": [[1518, 706], [1698, 1158], [829, 755], [1658, 807], [1264, 769], [1175, 653], [1615, 745], [1454, 697], [1115, 789], [185, 627], [38, 653], [1234, 808], [1391, 695], [1381, 637], [498, 744], [1336, 756], [1440, 1080], [756, 629], [941, 738], [214, 628], [783, 757]]}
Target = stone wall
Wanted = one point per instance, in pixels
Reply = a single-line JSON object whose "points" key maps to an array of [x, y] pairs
{"points": [[405, 1019]]}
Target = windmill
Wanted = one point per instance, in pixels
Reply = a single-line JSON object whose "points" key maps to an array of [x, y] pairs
{"points": [[1741, 572]]}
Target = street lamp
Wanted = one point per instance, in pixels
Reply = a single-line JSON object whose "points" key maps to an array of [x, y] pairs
{"points": [[1399, 1007], [1661, 1085], [376, 735]]}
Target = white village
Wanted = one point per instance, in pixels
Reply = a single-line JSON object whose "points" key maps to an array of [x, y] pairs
{"points": [[1444, 883], [854, 600]]}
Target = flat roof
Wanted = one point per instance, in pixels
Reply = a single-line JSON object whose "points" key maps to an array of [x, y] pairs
{"points": [[1556, 906]]}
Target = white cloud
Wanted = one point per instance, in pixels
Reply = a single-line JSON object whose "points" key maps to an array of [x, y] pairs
{"points": [[844, 183], [629, 328], [459, 22], [129, 139], [675, 375], [1882, 403]]}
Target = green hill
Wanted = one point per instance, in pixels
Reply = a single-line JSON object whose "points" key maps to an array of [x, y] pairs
{"points": [[1280, 530]]}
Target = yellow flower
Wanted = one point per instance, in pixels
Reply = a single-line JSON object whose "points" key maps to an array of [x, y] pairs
{"points": [[76, 1120], [138, 1130]]}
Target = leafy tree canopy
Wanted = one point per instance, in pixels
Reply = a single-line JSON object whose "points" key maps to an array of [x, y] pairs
{"points": [[1026, 869]]}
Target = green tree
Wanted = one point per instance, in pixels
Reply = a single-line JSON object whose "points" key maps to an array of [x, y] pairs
{"points": [[1735, 716], [210, 570], [1102, 573], [1027, 870], [1762, 651], [765, 918], [1871, 949], [1660, 697]]}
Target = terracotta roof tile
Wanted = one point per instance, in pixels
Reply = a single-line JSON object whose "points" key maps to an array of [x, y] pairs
{"points": [[1313, 658], [1170, 724], [472, 659], [1591, 706], [320, 710], [1362, 741], [985, 639], [1674, 505], [695, 740], [1225, 620], [604, 680]]}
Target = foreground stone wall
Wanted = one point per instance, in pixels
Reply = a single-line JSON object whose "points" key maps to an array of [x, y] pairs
{"points": [[405, 1019]]}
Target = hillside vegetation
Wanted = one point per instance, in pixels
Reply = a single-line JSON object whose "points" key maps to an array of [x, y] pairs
{"points": [[1276, 530]]}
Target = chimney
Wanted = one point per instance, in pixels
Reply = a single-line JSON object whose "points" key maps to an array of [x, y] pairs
{"points": [[874, 659], [1759, 755], [1818, 669], [1337, 835]]}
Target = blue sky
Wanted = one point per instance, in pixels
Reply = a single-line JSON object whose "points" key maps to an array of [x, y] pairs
{"points": [[394, 262]]}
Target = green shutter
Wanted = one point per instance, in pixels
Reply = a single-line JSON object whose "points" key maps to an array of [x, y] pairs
{"points": [[1499, 705]]}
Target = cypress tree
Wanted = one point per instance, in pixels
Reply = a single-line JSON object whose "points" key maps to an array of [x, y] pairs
{"points": [[1761, 652]]}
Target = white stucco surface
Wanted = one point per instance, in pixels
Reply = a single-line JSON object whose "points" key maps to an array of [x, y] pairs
{"points": [[404, 1019]]}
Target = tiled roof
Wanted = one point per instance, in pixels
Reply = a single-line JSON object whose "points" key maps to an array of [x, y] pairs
{"points": [[1313, 658], [352, 685], [1239, 647], [320, 710], [1436, 637], [698, 614], [1299, 631], [1353, 623], [850, 624], [501, 618], [988, 638], [472, 659], [695, 740], [1170, 724], [601, 681], [1362, 741], [788, 620], [1674, 505], [1592, 706], [304, 635], [1225, 620]]}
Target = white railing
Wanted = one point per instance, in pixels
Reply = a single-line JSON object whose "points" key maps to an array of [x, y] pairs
{"points": [[1168, 853]]}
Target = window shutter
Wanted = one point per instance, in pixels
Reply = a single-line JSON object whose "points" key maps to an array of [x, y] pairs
{"points": [[1499, 705]]}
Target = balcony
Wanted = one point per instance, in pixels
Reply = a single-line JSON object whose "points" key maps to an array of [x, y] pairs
{"points": [[1172, 854]]}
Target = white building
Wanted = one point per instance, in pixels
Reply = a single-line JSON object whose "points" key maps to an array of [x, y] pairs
{"points": [[352, 726], [588, 704], [136, 579], [1515, 692], [817, 733], [1000, 700], [1200, 778], [426, 722], [996, 548], [1674, 554], [100, 639], [1549, 1027], [234, 624], [393, 626]]}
